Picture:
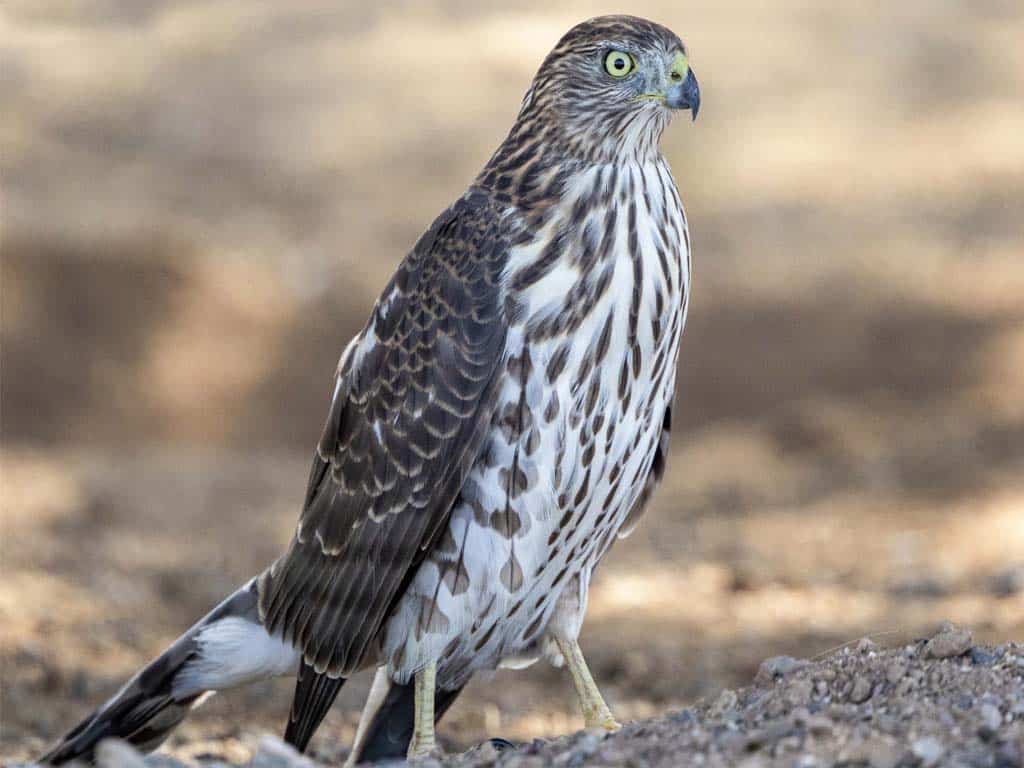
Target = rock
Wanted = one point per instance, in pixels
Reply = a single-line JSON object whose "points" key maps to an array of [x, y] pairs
{"points": [[726, 700], [798, 693], [275, 753], [754, 761], [861, 690], [950, 641], [776, 667], [866, 645], [991, 717], [114, 753], [895, 671], [982, 658], [817, 725], [928, 750], [523, 761], [683, 717], [875, 752]]}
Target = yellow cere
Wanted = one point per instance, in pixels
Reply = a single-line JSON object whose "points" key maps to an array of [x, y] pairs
{"points": [[619, 64]]}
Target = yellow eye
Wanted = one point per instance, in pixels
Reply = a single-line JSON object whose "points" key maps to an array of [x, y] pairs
{"points": [[619, 64]]}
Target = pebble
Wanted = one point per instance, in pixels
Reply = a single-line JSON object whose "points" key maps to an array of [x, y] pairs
{"points": [[275, 753], [928, 750], [982, 658], [778, 666], [818, 725], [866, 645], [950, 641], [861, 690], [726, 700], [523, 761], [991, 716], [683, 716], [798, 693], [877, 753], [114, 753], [895, 671]]}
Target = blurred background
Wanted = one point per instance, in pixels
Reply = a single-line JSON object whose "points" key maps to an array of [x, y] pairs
{"points": [[201, 201]]}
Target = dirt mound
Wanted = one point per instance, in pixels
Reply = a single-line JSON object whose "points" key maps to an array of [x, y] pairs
{"points": [[935, 702]]}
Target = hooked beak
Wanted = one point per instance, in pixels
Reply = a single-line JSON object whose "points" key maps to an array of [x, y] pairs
{"points": [[684, 93]]}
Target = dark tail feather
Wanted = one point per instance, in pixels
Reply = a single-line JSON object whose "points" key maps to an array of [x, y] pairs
{"points": [[390, 730], [226, 648], [143, 719], [314, 694]]}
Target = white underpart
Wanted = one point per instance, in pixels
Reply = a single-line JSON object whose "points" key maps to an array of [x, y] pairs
{"points": [[233, 651], [458, 636]]}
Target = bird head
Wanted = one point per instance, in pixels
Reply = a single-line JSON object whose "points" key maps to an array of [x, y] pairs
{"points": [[612, 84]]}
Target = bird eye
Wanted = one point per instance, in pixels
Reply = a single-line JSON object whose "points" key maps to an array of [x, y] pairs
{"points": [[619, 64]]}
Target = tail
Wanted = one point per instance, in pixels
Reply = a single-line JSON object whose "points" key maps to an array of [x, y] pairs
{"points": [[226, 648], [314, 694], [386, 725]]}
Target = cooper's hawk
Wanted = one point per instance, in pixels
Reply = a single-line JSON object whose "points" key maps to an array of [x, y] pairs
{"points": [[499, 421]]}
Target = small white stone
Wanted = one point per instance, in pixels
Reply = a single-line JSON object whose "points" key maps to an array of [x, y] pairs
{"points": [[114, 753], [991, 716], [928, 750], [275, 753]]}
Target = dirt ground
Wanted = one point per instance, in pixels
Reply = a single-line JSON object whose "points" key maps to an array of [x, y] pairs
{"points": [[936, 701], [201, 200]]}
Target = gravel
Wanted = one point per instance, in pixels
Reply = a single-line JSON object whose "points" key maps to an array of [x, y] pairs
{"points": [[936, 702]]}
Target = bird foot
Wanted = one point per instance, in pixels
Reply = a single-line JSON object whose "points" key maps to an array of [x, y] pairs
{"points": [[419, 750], [605, 721]]}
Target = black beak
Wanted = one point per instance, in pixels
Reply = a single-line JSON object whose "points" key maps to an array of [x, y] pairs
{"points": [[685, 95]]}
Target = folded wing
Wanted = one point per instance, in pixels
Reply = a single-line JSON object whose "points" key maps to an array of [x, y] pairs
{"points": [[412, 405]]}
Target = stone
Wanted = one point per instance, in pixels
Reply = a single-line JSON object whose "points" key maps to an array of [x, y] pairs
{"points": [[877, 753], [272, 752], [991, 716], [776, 667], [928, 750], [798, 693], [861, 690], [726, 701], [982, 658], [950, 641], [114, 753], [895, 671], [866, 645]]}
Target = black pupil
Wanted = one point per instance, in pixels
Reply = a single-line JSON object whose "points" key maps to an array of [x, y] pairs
{"points": [[619, 63]]}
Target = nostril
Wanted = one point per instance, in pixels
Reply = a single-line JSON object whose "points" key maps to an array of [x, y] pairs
{"points": [[676, 76]]}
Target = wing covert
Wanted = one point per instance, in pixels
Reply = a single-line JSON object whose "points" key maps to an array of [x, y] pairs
{"points": [[412, 405]]}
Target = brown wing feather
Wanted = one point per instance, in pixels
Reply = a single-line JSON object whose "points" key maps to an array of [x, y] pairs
{"points": [[411, 409]]}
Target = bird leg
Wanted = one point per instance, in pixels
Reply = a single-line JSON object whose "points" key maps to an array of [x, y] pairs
{"points": [[595, 711], [423, 742]]}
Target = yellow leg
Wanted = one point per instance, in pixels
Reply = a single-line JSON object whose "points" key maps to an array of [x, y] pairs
{"points": [[595, 711], [423, 742]]}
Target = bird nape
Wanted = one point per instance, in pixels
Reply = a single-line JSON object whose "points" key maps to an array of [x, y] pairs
{"points": [[498, 423]]}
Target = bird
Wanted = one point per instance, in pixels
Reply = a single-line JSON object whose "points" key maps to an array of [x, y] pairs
{"points": [[499, 422]]}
